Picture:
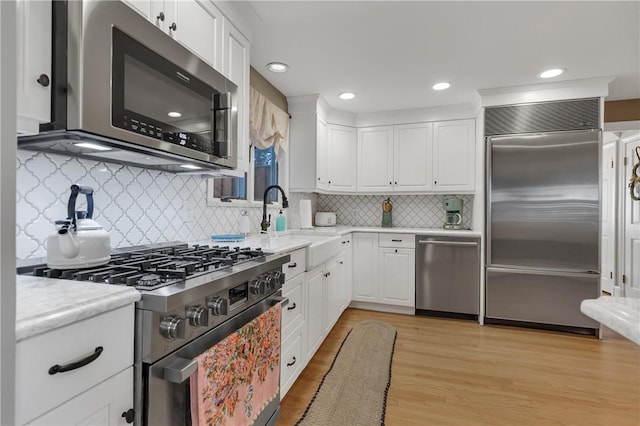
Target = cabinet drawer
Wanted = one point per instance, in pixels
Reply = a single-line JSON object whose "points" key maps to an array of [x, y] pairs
{"points": [[296, 265], [291, 361], [38, 391], [397, 240], [101, 405], [292, 314]]}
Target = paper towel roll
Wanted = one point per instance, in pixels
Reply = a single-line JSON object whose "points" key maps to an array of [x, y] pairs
{"points": [[305, 214]]}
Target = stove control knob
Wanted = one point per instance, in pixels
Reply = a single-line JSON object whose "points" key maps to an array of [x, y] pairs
{"points": [[198, 316], [218, 305], [172, 327], [258, 286], [270, 282], [279, 277]]}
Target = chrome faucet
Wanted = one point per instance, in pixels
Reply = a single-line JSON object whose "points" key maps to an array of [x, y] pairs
{"points": [[266, 221]]}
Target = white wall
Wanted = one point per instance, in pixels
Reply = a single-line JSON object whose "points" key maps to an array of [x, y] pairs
{"points": [[7, 209]]}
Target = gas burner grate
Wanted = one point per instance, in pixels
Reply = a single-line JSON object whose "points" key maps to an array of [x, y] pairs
{"points": [[148, 268]]}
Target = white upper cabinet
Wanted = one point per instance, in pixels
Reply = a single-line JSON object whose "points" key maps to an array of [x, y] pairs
{"points": [[322, 150], [236, 69], [196, 25], [375, 159], [454, 156], [412, 150], [33, 31], [341, 155]]}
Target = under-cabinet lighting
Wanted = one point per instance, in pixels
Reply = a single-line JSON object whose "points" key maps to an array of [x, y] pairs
{"points": [[91, 145], [174, 114], [190, 167], [551, 73]]}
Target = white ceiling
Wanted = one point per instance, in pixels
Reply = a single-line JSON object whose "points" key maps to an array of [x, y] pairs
{"points": [[391, 52]]}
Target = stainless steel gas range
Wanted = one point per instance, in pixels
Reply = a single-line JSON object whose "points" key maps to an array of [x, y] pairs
{"points": [[193, 299]]}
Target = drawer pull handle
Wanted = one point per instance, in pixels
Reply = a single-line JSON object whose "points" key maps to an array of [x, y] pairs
{"points": [[289, 364], [397, 241], [74, 365], [292, 307], [129, 415], [292, 265]]}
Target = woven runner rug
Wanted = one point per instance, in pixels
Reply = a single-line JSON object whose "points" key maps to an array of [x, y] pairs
{"points": [[354, 390]]}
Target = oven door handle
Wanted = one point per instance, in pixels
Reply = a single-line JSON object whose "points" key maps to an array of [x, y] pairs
{"points": [[280, 299], [180, 369]]}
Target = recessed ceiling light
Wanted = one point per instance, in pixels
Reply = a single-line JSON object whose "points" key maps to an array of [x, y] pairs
{"points": [[551, 73], [174, 114], [347, 95], [91, 145], [441, 86], [190, 166], [277, 67]]}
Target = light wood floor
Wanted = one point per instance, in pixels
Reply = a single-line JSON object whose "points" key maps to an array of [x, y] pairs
{"points": [[452, 372]]}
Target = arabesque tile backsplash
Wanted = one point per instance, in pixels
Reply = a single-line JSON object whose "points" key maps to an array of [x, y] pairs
{"points": [[136, 206], [140, 206], [409, 211]]}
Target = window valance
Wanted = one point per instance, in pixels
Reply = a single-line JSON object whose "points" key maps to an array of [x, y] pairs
{"points": [[268, 124]]}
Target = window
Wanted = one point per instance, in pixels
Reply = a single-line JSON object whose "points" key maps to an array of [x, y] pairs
{"points": [[266, 169], [265, 174]]}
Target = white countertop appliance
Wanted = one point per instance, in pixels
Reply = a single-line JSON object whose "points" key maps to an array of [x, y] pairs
{"points": [[325, 219]]}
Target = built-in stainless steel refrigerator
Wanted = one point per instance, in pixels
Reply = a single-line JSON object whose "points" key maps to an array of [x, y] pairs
{"points": [[543, 228]]}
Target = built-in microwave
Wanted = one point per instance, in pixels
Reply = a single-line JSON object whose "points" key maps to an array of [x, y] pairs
{"points": [[124, 91]]}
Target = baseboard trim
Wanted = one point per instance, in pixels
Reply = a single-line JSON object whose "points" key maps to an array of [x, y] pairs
{"points": [[381, 307]]}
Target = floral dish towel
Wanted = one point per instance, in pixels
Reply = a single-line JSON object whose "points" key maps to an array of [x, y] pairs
{"points": [[239, 376]]}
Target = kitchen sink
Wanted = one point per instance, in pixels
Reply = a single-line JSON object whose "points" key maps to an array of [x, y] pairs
{"points": [[322, 248]]}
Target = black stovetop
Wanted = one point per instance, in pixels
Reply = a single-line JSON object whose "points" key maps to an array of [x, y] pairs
{"points": [[153, 266]]}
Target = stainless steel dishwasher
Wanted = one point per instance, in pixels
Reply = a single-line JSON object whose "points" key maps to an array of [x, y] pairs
{"points": [[448, 276]]}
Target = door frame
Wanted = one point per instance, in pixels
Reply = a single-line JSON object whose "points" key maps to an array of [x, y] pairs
{"points": [[620, 289]]}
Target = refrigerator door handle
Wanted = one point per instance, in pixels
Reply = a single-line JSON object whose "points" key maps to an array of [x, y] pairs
{"points": [[542, 272]]}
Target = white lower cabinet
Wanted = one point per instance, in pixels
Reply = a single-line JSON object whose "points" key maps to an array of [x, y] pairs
{"points": [[293, 355], [317, 298], [365, 266], [293, 359], [49, 374], [315, 310], [397, 276], [384, 271], [106, 404]]}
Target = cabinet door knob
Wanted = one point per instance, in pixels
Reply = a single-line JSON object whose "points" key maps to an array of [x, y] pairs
{"points": [[390, 183], [129, 415], [160, 16], [289, 364], [395, 183], [43, 80], [318, 178], [342, 263], [173, 27]]}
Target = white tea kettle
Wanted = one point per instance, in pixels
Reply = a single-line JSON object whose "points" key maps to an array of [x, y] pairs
{"points": [[79, 241]]}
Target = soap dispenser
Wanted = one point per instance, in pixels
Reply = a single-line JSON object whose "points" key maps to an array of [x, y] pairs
{"points": [[281, 222]]}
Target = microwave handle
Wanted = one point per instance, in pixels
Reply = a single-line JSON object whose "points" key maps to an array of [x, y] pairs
{"points": [[221, 114]]}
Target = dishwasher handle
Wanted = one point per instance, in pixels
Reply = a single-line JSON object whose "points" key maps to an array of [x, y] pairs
{"points": [[450, 243]]}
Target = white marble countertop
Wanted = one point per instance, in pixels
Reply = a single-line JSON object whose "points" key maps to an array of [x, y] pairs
{"points": [[44, 304], [293, 239], [621, 314]]}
